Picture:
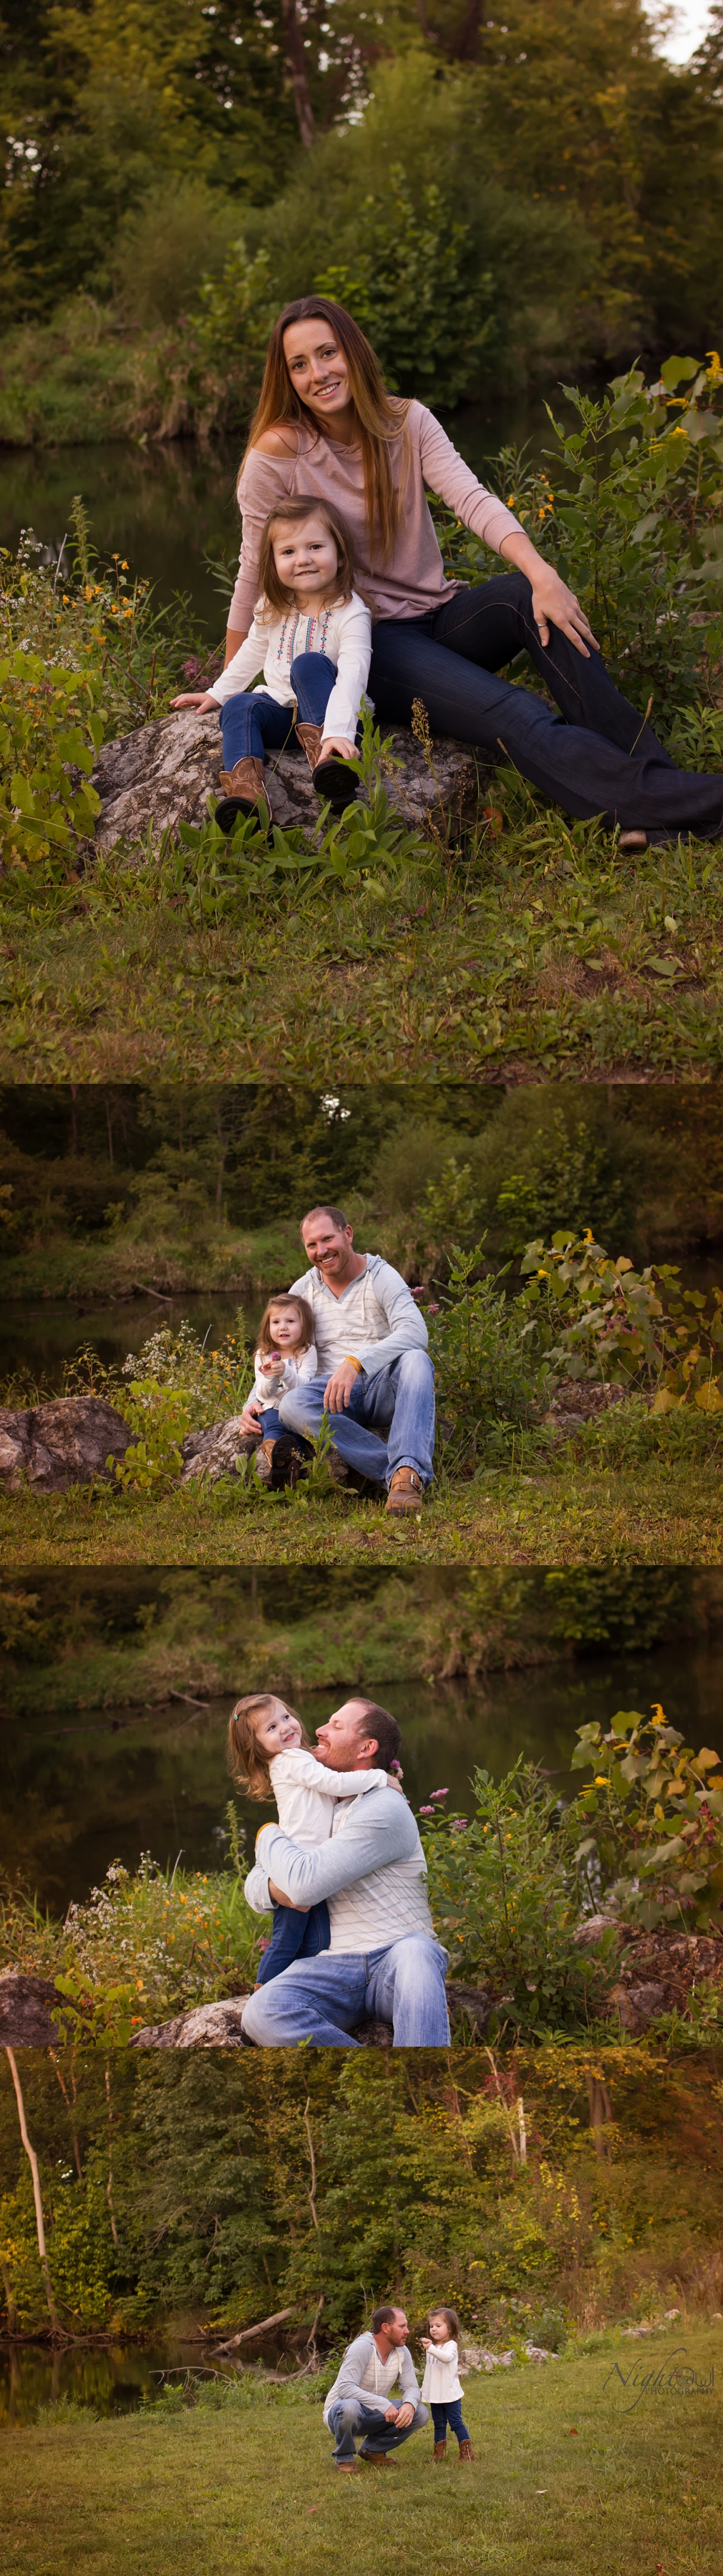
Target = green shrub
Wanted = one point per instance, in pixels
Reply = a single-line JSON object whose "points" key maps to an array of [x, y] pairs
{"points": [[505, 1901], [414, 290], [654, 1820], [597, 1318], [49, 733], [487, 1384]]}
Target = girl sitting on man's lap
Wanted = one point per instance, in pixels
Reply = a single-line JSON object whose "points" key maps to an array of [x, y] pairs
{"points": [[442, 2384], [311, 633], [270, 1756]]}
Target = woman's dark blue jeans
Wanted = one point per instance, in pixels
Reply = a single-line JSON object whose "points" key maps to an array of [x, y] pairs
{"points": [[294, 1936], [451, 2415], [254, 723], [597, 756]]}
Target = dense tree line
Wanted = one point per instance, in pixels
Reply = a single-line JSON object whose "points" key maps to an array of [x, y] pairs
{"points": [[235, 2186], [643, 1166], [585, 171]]}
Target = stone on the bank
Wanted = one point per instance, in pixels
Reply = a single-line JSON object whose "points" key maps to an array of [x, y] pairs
{"points": [[208, 2026], [65, 1442], [166, 773], [26, 2011], [213, 1453]]}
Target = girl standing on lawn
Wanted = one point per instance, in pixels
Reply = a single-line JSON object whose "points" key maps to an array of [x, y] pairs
{"points": [[311, 633], [442, 2384], [270, 1756], [325, 424]]}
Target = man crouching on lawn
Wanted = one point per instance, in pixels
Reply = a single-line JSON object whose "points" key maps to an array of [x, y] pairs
{"points": [[376, 1380], [360, 2400]]}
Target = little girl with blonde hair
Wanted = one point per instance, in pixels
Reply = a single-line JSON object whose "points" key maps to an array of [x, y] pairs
{"points": [[270, 1756]]}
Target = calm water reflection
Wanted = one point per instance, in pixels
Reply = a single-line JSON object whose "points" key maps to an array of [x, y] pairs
{"points": [[112, 2380], [155, 1780]]}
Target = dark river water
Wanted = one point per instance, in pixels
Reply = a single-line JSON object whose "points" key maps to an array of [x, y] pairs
{"points": [[155, 1780], [110, 2379], [167, 507]]}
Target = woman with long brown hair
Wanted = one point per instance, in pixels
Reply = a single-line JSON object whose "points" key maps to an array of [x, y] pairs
{"points": [[326, 425]]}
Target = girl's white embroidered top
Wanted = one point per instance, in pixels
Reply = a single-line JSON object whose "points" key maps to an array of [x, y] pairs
{"points": [[305, 1793], [290, 1372], [441, 2378], [343, 632]]}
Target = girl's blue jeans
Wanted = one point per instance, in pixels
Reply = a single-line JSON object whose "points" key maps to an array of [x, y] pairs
{"points": [[253, 722], [294, 1936], [451, 2415]]}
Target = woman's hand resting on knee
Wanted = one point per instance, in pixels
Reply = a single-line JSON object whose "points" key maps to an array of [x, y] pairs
{"points": [[552, 603]]}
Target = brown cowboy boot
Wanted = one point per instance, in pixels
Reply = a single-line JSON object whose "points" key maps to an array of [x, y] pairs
{"points": [[334, 778], [439, 2452], [406, 1492], [309, 736], [244, 788], [465, 2452]]}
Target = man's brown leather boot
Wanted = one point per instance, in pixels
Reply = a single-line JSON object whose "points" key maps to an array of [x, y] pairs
{"points": [[244, 788], [406, 1492]]}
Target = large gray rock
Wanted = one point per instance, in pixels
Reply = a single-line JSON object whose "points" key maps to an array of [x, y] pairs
{"points": [[26, 2011], [166, 773], [65, 1442], [213, 1453]]}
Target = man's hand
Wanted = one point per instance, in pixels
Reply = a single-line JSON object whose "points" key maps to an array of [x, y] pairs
{"points": [[401, 2415], [250, 1419], [339, 1386], [203, 699]]}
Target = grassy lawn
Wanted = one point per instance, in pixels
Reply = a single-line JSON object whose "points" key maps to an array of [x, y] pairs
{"points": [[564, 2477], [665, 1512], [538, 951]]}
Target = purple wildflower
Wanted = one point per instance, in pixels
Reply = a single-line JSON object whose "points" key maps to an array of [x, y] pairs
{"points": [[439, 1793], [426, 1811], [432, 1310]]}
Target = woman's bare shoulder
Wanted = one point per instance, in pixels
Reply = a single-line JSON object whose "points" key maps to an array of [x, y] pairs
{"points": [[280, 440]]}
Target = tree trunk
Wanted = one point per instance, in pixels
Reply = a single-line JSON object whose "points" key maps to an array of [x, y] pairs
{"points": [[600, 2113], [295, 56], [109, 2184], [37, 2196]]}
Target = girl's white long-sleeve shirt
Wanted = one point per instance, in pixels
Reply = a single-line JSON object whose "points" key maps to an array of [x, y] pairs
{"points": [[343, 632], [441, 2380], [306, 1793], [291, 1372]]}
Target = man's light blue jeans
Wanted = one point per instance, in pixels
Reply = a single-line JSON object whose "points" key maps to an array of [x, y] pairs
{"points": [[398, 1403], [322, 1999], [348, 2417]]}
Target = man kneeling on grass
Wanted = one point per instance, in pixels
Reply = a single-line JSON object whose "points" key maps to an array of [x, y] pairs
{"points": [[360, 2400]]}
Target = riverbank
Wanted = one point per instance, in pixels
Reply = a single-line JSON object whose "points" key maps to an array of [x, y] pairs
{"points": [[617, 2484]]}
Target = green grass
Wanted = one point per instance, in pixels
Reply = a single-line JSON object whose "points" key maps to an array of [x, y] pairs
{"points": [[563, 2478], [666, 1512], [541, 952]]}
